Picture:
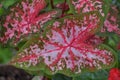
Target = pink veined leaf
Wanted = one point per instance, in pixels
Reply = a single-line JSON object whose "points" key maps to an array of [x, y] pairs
{"points": [[25, 18], [95, 40], [111, 22], [65, 47], [83, 6]]}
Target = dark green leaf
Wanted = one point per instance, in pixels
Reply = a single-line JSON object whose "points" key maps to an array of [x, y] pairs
{"points": [[118, 55], [98, 75], [61, 77]]}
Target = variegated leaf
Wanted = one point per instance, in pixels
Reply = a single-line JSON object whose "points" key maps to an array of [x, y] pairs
{"points": [[83, 6], [26, 18], [66, 48]]}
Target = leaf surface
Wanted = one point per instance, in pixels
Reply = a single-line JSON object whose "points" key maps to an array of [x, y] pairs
{"points": [[66, 48]]}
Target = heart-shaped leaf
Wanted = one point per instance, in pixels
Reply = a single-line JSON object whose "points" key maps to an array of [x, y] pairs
{"points": [[66, 48]]}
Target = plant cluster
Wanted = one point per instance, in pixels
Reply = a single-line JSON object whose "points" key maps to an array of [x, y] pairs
{"points": [[70, 37]]}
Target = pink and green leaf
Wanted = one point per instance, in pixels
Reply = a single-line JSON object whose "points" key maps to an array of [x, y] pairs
{"points": [[83, 6], [26, 18], [66, 48]]}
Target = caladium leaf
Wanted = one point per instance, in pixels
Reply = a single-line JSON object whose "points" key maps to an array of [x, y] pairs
{"points": [[111, 23], [66, 48], [83, 6], [26, 18]]}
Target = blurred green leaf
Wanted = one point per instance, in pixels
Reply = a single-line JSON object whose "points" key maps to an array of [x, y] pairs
{"points": [[98, 75], [118, 59], [8, 3], [106, 6], [1, 11], [112, 39], [61, 77], [5, 55]]}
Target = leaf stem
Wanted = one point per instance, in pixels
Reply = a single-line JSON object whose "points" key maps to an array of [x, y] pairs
{"points": [[52, 4]]}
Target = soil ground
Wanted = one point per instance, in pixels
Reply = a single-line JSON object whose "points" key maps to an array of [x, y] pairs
{"points": [[8, 72]]}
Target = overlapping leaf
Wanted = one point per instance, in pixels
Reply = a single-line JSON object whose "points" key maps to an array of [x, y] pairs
{"points": [[66, 48], [83, 6], [111, 24], [24, 19]]}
